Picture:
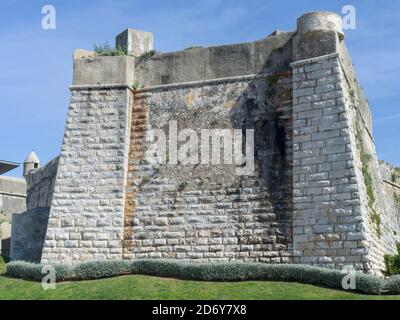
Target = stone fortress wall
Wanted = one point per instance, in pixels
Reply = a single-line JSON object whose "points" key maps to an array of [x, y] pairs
{"points": [[316, 195]]}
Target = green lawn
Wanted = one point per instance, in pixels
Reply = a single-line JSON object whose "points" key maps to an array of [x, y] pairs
{"points": [[145, 287]]}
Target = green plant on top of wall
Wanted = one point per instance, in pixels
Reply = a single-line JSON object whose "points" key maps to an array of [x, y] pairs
{"points": [[149, 54], [106, 50], [193, 47]]}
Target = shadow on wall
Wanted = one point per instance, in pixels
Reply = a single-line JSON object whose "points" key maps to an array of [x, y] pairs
{"points": [[5, 247], [28, 233], [269, 113]]}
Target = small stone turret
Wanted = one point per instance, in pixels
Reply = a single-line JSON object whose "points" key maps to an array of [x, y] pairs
{"points": [[31, 162], [320, 21]]}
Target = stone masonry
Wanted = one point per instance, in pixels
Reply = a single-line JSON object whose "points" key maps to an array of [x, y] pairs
{"points": [[87, 209], [317, 193]]}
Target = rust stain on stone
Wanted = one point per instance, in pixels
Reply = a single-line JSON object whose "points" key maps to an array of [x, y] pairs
{"points": [[136, 154], [229, 105], [189, 100]]}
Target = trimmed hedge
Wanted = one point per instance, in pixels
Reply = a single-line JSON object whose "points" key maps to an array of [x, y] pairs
{"points": [[393, 285], [230, 271]]}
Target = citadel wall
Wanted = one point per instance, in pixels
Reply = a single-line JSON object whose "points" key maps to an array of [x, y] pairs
{"points": [[316, 194]]}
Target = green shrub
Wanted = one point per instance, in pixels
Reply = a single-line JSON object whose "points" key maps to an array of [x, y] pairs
{"points": [[393, 285], [136, 85], [396, 175], [193, 47], [392, 263], [63, 272], [162, 268], [101, 269], [227, 271], [368, 284], [25, 270], [397, 199], [105, 50], [149, 54]]}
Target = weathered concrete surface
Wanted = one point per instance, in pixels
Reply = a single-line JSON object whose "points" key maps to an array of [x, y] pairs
{"points": [[136, 42], [264, 56], [27, 235], [104, 70], [82, 53], [12, 200]]}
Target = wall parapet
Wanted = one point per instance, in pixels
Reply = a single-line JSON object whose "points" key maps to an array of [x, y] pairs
{"points": [[216, 81], [104, 86], [302, 62]]}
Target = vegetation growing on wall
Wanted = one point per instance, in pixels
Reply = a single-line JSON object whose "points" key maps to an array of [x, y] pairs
{"points": [[145, 180], [397, 199], [392, 263], [149, 54], [105, 50], [278, 50], [136, 85], [182, 186], [396, 175], [193, 47], [271, 81], [396, 179], [366, 158]]}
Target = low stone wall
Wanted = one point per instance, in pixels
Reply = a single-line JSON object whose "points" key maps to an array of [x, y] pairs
{"points": [[27, 235], [40, 185]]}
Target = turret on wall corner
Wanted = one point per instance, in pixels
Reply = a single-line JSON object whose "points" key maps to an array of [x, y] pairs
{"points": [[31, 162]]}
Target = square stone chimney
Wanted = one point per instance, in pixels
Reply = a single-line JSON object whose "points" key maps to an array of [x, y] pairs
{"points": [[135, 41]]}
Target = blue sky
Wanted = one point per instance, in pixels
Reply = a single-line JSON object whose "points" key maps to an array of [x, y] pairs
{"points": [[36, 64]]}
